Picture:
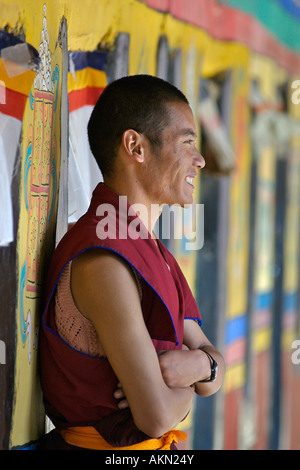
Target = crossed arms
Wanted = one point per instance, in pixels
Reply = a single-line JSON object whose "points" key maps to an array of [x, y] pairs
{"points": [[159, 388]]}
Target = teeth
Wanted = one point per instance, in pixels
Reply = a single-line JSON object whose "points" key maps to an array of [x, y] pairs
{"points": [[188, 179]]}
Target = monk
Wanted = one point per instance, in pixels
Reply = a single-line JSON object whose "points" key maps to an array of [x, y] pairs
{"points": [[122, 350]]}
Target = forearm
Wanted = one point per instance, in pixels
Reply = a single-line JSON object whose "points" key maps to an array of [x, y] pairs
{"points": [[167, 412], [166, 408]]}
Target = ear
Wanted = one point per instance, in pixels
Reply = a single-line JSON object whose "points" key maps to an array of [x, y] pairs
{"points": [[132, 142]]}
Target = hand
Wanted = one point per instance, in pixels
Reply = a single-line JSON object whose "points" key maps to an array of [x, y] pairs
{"points": [[120, 395], [179, 368]]}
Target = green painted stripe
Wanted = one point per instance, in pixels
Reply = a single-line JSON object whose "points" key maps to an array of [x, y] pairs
{"points": [[281, 23]]}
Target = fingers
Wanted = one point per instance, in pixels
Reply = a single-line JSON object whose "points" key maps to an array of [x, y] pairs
{"points": [[120, 395]]}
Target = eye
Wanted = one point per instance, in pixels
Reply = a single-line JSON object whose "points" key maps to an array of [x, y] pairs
{"points": [[190, 141]]}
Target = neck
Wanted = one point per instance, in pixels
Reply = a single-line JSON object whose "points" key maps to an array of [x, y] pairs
{"points": [[146, 210]]}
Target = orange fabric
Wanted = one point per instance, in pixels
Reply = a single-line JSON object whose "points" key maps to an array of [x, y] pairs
{"points": [[88, 438]]}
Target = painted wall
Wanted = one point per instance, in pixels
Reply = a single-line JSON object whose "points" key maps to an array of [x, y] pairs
{"points": [[38, 192]]}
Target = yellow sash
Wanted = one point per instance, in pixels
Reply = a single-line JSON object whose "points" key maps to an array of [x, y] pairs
{"points": [[88, 438]]}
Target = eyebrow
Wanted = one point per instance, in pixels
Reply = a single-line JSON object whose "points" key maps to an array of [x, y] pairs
{"points": [[187, 132]]}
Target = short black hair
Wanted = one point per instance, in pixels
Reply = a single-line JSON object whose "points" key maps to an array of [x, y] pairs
{"points": [[135, 102]]}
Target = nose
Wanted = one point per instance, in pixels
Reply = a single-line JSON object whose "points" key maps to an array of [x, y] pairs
{"points": [[199, 161]]}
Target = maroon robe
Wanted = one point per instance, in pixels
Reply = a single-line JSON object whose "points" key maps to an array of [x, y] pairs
{"points": [[78, 388]]}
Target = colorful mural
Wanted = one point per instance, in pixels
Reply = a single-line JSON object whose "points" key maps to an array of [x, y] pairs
{"points": [[39, 183]]}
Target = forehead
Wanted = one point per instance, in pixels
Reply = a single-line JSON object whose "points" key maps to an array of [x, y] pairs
{"points": [[181, 119]]}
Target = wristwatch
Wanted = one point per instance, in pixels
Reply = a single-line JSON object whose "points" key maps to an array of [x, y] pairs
{"points": [[213, 369]]}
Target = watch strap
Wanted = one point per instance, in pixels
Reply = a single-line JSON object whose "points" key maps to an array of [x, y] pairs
{"points": [[213, 368]]}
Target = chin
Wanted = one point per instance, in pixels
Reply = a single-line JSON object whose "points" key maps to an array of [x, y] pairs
{"points": [[182, 200]]}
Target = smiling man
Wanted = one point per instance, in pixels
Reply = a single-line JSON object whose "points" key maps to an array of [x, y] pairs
{"points": [[122, 349]]}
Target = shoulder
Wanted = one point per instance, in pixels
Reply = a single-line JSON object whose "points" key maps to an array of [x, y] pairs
{"points": [[96, 258], [100, 276]]}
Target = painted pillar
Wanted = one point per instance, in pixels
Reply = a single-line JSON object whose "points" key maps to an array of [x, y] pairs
{"points": [[288, 436], [237, 265], [38, 199], [259, 365]]}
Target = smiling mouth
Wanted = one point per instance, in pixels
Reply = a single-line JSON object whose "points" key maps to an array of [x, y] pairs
{"points": [[189, 180]]}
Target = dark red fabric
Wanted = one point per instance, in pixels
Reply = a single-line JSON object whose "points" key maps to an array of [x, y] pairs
{"points": [[78, 388]]}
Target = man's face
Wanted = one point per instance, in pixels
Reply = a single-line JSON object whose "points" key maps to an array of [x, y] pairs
{"points": [[171, 172]]}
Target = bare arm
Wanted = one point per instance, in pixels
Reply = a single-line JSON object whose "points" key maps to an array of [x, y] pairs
{"points": [[105, 291], [186, 367]]}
